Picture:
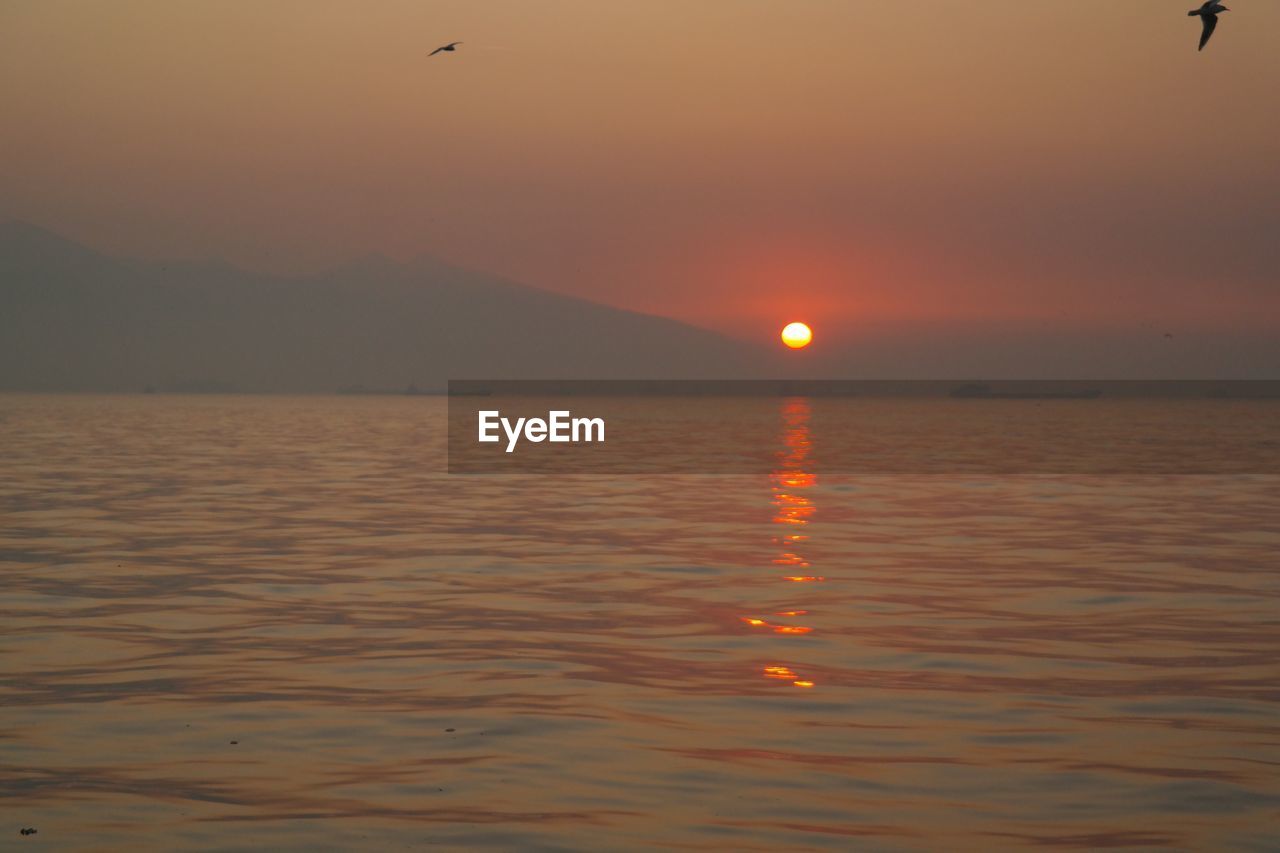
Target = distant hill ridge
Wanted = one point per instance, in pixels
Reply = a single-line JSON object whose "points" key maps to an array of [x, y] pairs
{"points": [[74, 319]]}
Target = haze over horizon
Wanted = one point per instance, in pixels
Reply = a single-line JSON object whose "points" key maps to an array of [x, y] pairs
{"points": [[75, 319], [945, 173]]}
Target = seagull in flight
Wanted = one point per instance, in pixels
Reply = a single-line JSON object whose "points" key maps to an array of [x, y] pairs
{"points": [[1208, 14], [453, 45]]}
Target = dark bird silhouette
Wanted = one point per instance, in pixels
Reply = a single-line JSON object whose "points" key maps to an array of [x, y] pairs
{"points": [[1208, 14], [453, 45]]}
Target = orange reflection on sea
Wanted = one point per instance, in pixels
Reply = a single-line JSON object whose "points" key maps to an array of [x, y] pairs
{"points": [[777, 629], [785, 673], [793, 509]]}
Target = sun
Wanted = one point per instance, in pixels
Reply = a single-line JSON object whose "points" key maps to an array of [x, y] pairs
{"points": [[797, 335]]}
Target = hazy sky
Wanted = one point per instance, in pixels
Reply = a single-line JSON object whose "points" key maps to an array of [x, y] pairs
{"points": [[734, 163]]}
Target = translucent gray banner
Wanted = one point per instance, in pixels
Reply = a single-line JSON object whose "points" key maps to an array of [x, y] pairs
{"points": [[863, 427]]}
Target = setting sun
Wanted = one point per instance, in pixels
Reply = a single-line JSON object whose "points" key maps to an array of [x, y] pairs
{"points": [[797, 335]]}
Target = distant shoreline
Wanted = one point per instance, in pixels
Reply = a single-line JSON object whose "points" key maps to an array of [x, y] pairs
{"points": [[956, 390]]}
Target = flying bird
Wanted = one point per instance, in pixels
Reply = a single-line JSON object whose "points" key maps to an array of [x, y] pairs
{"points": [[453, 45], [1208, 14]]}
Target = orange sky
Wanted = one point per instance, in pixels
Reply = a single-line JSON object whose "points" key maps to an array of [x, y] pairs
{"points": [[734, 163]]}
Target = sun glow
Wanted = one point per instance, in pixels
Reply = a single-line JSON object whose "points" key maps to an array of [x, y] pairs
{"points": [[797, 335]]}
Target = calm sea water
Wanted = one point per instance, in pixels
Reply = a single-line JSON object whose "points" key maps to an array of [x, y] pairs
{"points": [[247, 623]]}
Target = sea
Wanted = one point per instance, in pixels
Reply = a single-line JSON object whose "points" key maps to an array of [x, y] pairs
{"points": [[253, 622]]}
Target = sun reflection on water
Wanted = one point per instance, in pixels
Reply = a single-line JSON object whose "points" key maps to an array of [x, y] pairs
{"points": [[793, 510]]}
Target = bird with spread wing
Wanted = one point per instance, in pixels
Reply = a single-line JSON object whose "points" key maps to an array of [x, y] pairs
{"points": [[1208, 14]]}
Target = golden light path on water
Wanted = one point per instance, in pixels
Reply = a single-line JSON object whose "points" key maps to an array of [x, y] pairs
{"points": [[790, 483], [248, 623]]}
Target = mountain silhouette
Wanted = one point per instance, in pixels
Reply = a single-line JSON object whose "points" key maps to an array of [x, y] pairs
{"points": [[75, 319]]}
